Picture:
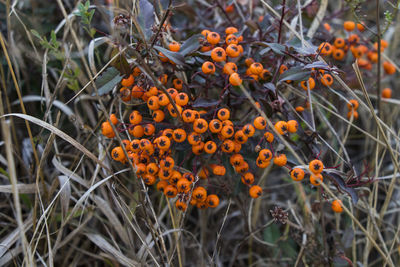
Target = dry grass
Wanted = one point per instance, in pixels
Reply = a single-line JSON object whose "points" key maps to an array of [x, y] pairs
{"points": [[65, 202]]}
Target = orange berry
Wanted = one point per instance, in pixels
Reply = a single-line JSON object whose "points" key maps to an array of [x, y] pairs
{"points": [[200, 194], [339, 42], [249, 61], [213, 38], [248, 178], [162, 57], [137, 131], [262, 164], [158, 115], [188, 115], [338, 54], [135, 117], [232, 50], [107, 130], [325, 49], [208, 67], [310, 83], [240, 137], [231, 39], [172, 111], [389, 68], [281, 127], [215, 126], [260, 123], [170, 191], [152, 103], [256, 68], [352, 113], [179, 135], [128, 81], [327, 27], [163, 100], [177, 84], [229, 68], [118, 154], [205, 33], [219, 170], [234, 79], [280, 160], [316, 179], [349, 25], [137, 92], [218, 54], [200, 125], [353, 104], [113, 119], [386, 93], [163, 143], [183, 185], [231, 30], [125, 94], [210, 147], [255, 191], [327, 80], [265, 155], [181, 205], [161, 185], [292, 126], [269, 137], [149, 129], [316, 166], [337, 206], [282, 69], [182, 99], [299, 109], [174, 46], [297, 174], [212, 201], [194, 138], [353, 39], [360, 27], [248, 130], [223, 114], [228, 146]]}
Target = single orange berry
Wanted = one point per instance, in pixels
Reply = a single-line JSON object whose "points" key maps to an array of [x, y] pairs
{"points": [[248, 178], [339, 42], [327, 80], [265, 155], [280, 160], [212, 201], [234, 79], [210, 147], [389, 68], [223, 114], [256, 68], [255, 191], [218, 54], [128, 81], [118, 154], [309, 84], [107, 130], [200, 125], [113, 119], [260, 123], [353, 104], [325, 49], [337, 206], [352, 113], [135, 117], [297, 174], [292, 126], [152, 103], [327, 27], [158, 115], [316, 179], [208, 67], [229, 68], [174, 46], [231, 39], [281, 127], [387, 93], [232, 50], [125, 94], [269, 137], [213, 38], [316, 166], [248, 130], [349, 25], [182, 99], [231, 30], [179, 135], [181, 205], [338, 54], [200, 194], [170, 191], [360, 27]]}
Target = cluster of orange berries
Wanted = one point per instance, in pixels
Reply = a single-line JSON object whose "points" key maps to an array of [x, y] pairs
{"points": [[165, 121], [365, 56]]}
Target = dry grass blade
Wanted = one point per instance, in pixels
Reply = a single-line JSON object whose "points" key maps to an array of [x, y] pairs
{"points": [[99, 241], [59, 133]]}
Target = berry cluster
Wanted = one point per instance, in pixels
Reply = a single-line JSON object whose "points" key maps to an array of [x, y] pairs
{"points": [[165, 122]]}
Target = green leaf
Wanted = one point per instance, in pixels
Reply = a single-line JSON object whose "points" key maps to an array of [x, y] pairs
{"points": [[106, 82], [176, 57], [272, 234], [36, 34], [295, 74], [191, 44]]}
